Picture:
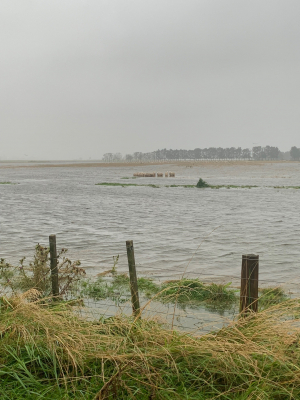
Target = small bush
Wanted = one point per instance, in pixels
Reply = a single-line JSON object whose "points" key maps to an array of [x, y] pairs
{"points": [[202, 184], [36, 275]]}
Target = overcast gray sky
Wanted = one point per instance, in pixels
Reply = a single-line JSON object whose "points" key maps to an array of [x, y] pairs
{"points": [[79, 78]]}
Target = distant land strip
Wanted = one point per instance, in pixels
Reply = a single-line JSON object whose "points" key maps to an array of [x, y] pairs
{"points": [[182, 163]]}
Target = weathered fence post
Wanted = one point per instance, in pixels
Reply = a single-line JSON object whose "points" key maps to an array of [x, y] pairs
{"points": [[53, 266], [249, 283], [133, 279]]}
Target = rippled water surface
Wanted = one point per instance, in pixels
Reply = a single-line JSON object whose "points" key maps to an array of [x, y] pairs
{"points": [[201, 231]]}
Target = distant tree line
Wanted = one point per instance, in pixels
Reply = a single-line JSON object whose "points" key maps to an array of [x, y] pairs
{"points": [[295, 153], [211, 153]]}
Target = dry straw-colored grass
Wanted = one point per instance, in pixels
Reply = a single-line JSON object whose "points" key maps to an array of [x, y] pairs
{"points": [[46, 351]]}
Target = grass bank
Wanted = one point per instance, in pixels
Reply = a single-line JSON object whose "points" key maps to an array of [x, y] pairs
{"points": [[47, 352]]}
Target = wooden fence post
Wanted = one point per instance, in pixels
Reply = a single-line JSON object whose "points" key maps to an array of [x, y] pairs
{"points": [[249, 283], [133, 279], [53, 266]]}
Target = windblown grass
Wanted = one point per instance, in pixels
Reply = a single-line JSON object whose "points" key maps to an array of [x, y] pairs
{"points": [[49, 353]]}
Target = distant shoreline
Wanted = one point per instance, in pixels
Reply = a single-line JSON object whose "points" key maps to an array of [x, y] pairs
{"points": [[98, 164]]}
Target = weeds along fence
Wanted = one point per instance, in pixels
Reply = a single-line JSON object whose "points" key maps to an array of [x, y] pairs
{"points": [[196, 305]]}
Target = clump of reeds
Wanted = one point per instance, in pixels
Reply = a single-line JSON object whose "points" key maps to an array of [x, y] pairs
{"points": [[49, 353]]}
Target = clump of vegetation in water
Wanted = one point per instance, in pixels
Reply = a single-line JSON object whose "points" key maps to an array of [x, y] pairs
{"points": [[285, 187], [194, 292], [202, 184], [271, 296], [184, 292], [117, 288], [7, 183], [123, 184]]}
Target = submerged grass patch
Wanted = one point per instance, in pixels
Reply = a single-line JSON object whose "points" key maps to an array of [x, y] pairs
{"points": [[184, 292], [124, 184], [193, 292], [176, 186], [201, 184], [7, 183], [286, 187]]}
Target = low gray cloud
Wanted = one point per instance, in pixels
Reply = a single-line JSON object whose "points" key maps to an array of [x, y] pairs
{"points": [[81, 78]]}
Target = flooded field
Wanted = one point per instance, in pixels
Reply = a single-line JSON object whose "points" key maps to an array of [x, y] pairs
{"points": [[200, 232]]}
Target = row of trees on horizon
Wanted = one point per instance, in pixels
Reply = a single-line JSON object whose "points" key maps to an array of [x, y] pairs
{"points": [[211, 153]]}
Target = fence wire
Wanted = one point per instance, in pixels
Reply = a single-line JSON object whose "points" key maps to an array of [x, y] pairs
{"points": [[197, 317]]}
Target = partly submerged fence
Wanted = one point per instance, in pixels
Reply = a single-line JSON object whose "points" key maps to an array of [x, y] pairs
{"points": [[169, 303], [195, 316]]}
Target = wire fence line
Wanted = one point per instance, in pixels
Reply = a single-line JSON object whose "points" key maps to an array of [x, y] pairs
{"points": [[176, 303]]}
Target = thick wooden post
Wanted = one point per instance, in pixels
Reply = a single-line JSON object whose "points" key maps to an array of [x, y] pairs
{"points": [[249, 283], [53, 265], [133, 279]]}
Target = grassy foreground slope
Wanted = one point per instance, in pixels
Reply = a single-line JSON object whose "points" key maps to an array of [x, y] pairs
{"points": [[47, 352]]}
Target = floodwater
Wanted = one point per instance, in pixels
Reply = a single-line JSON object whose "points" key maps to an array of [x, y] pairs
{"points": [[199, 232]]}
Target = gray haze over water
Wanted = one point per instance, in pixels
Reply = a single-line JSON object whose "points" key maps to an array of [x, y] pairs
{"points": [[82, 78], [172, 228]]}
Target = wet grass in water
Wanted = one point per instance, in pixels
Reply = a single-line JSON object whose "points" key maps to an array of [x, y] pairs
{"points": [[185, 292], [201, 184], [123, 184], [270, 296]]}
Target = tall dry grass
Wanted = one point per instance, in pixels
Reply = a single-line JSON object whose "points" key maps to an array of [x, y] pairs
{"points": [[46, 351]]}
